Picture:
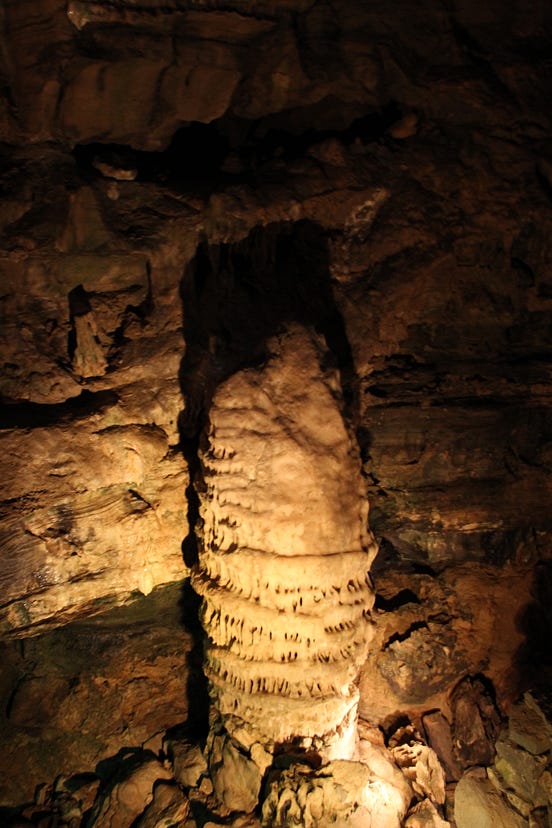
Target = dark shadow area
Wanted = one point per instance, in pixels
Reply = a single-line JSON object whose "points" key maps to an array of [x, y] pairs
{"points": [[286, 135], [197, 152], [197, 723], [291, 752], [37, 415], [533, 661], [390, 558], [405, 596], [194, 155], [235, 297]]}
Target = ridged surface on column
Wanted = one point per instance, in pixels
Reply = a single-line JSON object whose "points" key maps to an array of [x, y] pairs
{"points": [[285, 553]]}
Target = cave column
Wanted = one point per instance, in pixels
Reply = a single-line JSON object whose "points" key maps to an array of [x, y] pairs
{"points": [[284, 555]]}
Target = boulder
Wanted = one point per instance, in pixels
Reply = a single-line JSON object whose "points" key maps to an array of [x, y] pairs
{"points": [[187, 760], [519, 770], [236, 777], [129, 791], [528, 726], [477, 804], [168, 808], [439, 737]]}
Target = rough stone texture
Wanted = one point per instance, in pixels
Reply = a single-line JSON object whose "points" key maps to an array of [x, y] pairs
{"points": [[169, 807], [284, 561], [422, 769], [129, 793], [77, 695], [187, 760], [379, 762], [439, 737], [425, 815], [478, 805], [519, 770], [418, 141], [476, 723], [92, 488], [528, 727], [341, 793], [236, 777], [102, 519]]}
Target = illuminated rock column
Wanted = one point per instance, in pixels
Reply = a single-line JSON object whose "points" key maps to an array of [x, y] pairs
{"points": [[285, 554]]}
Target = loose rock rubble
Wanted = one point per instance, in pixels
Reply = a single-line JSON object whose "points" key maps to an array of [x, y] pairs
{"points": [[398, 785]]}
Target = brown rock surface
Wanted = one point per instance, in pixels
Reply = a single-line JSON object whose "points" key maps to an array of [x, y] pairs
{"points": [[77, 695]]}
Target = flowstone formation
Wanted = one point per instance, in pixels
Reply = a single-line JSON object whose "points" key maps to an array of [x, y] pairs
{"points": [[285, 555]]}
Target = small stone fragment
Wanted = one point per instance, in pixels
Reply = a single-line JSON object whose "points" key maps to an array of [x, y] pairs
{"points": [[89, 359], [112, 169], [544, 787], [76, 794], [206, 786], [405, 127]]}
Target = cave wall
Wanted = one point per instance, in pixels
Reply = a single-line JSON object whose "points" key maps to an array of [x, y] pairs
{"points": [[417, 140]]}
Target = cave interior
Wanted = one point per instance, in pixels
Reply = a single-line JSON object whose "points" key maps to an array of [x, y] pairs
{"points": [[276, 340]]}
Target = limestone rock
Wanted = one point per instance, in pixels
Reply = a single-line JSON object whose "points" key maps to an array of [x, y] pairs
{"points": [[422, 768], [425, 815], [74, 696], [129, 793], [80, 791], [285, 553], [379, 762], [187, 760], [477, 804], [519, 770], [528, 727], [438, 732], [341, 793], [169, 807], [443, 286], [236, 778], [475, 723], [107, 520]]}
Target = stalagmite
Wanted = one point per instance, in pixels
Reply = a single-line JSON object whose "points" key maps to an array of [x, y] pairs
{"points": [[284, 554]]}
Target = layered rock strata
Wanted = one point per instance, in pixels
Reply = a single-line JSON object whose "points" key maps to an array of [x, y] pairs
{"points": [[284, 566]]}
